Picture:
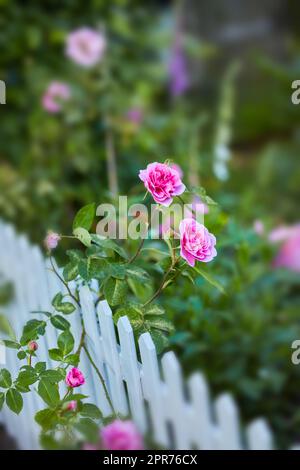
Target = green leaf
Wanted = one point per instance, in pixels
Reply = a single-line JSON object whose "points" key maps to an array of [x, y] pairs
{"points": [[5, 327], [159, 339], [134, 314], [54, 376], [32, 330], [83, 235], [72, 359], [153, 309], [76, 397], [115, 291], [60, 322], [65, 342], [40, 367], [14, 400], [137, 273], [27, 377], [48, 392], [57, 300], [85, 217], [11, 344], [70, 271], [2, 398], [89, 429], [21, 355], [201, 192], [22, 388], [56, 355], [46, 418], [210, 279], [90, 411], [160, 323], [108, 244], [5, 378], [64, 307]]}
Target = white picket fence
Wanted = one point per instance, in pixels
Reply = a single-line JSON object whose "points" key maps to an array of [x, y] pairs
{"points": [[176, 414]]}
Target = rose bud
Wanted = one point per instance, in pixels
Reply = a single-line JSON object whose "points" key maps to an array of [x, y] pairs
{"points": [[32, 346]]}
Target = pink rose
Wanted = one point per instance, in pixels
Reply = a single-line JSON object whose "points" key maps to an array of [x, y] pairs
{"points": [[289, 253], [196, 242], [163, 182], [51, 240], [121, 435], [75, 378], [85, 46], [56, 93]]}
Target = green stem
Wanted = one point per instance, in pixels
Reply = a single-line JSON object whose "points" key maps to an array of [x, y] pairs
{"points": [[133, 258], [161, 287], [63, 281]]}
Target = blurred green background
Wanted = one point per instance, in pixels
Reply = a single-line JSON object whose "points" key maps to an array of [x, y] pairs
{"points": [[209, 85]]}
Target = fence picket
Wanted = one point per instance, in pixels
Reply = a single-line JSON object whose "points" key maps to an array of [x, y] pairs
{"points": [[201, 421], [112, 359], [131, 373], [152, 389], [228, 424], [259, 435]]}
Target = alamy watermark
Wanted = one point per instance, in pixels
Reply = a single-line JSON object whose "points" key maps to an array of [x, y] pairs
{"points": [[139, 221], [295, 97], [2, 92]]}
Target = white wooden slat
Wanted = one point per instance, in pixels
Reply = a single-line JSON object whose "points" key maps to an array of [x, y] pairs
{"points": [[174, 400], [227, 420], [20, 290], [131, 373], [201, 421], [259, 435], [109, 345], [152, 389], [94, 346]]}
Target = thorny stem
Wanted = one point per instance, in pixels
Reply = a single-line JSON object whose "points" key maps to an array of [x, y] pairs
{"points": [[133, 258], [101, 379], [63, 281], [164, 279]]}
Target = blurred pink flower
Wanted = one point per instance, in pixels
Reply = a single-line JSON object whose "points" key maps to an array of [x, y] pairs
{"points": [[75, 378], [283, 232], [289, 252], [179, 79], [163, 182], [196, 243], [121, 435], [88, 446], [72, 405], [56, 93], [135, 115], [51, 240], [258, 227], [85, 46]]}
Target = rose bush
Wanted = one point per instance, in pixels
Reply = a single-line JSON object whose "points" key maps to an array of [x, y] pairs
{"points": [[119, 274]]}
